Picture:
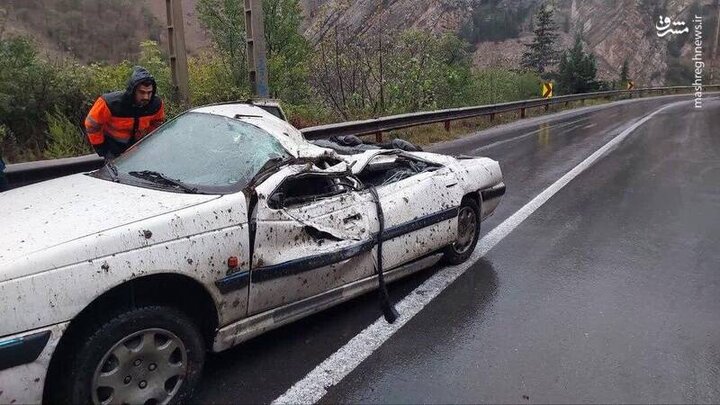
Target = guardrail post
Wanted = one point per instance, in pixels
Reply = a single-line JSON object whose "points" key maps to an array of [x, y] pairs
{"points": [[492, 117], [447, 126], [378, 137], [522, 112], [547, 107]]}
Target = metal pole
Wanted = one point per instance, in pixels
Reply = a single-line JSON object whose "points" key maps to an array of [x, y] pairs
{"points": [[177, 51], [257, 57]]}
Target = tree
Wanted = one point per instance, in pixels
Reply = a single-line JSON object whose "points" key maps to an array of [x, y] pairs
{"points": [[287, 50], [350, 73], [541, 53], [578, 71], [406, 71], [224, 21], [491, 22], [624, 74]]}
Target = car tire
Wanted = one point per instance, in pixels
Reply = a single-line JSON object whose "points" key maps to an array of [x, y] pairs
{"points": [[151, 354], [468, 233]]}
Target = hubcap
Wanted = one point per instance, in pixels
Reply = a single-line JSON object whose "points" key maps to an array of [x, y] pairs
{"points": [[467, 226], [146, 367]]}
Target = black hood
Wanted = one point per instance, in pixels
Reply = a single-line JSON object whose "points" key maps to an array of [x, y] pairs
{"points": [[139, 75]]}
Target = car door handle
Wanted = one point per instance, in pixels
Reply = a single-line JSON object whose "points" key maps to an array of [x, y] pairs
{"points": [[351, 218]]}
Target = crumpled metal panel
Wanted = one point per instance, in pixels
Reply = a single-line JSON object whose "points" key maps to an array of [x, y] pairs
{"points": [[409, 201], [323, 227]]}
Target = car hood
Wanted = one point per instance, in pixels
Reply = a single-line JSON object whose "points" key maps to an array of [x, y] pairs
{"points": [[41, 216]]}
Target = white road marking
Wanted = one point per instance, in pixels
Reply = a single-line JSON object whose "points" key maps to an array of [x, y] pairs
{"points": [[589, 126], [333, 369]]}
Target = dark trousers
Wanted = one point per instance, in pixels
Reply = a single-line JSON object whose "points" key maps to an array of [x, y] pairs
{"points": [[3, 182]]}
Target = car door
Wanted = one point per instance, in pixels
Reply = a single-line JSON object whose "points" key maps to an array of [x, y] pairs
{"points": [[420, 215], [312, 232]]}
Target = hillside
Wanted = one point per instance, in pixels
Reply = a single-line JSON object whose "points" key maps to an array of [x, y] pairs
{"points": [[614, 30], [95, 30]]}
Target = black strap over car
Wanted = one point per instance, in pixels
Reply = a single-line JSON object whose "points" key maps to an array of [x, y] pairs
{"points": [[388, 309]]}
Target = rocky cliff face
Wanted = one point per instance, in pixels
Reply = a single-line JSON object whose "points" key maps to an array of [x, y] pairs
{"points": [[614, 30], [625, 29], [358, 16]]}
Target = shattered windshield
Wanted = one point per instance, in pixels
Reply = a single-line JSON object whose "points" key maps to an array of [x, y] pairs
{"points": [[199, 151]]}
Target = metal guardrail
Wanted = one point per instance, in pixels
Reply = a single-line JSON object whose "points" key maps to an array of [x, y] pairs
{"points": [[384, 124], [22, 174], [26, 173]]}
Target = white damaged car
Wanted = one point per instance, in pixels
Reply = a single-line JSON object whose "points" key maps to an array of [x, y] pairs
{"points": [[222, 224]]}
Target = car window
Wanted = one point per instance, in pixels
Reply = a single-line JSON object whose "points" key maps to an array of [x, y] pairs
{"points": [[390, 168], [307, 188], [201, 149]]}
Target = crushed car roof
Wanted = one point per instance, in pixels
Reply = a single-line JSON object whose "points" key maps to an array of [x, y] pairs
{"points": [[290, 137]]}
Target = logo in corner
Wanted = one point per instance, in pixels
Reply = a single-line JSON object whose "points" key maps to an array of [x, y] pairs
{"points": [[666, 26]]}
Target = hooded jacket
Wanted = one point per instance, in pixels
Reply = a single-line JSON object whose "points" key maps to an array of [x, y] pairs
{"points": [[115, 123]]}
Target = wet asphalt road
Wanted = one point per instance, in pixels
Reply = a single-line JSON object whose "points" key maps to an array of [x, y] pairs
{"points": [[610, 292]]}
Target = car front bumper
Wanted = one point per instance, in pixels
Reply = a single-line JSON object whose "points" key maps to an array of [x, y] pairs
{"points": [[491, 198], [24, 361]]}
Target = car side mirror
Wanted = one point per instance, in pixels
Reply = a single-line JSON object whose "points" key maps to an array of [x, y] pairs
{"points": [[276, 200]]}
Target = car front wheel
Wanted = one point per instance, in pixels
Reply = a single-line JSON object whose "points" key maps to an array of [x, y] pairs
{"points": [[146, 355], [468, 233]]}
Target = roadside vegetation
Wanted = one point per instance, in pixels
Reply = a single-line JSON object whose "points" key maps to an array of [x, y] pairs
{"points": [[43, 102]]}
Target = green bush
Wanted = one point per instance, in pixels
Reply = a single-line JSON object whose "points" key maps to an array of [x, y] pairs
{"points": [[304, 115], [211, 81], [65, 139], [491, 86], [3, 136], [24, 82]]}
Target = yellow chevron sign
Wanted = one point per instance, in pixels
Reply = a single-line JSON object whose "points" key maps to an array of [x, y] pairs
{"points": [[546, 89], [630, 85]]}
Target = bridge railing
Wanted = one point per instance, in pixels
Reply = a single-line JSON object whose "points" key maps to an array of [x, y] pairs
{"points": [[31, 172]]}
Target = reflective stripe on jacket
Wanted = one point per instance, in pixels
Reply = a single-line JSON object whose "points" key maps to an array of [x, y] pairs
{"points": [[101, 123]]}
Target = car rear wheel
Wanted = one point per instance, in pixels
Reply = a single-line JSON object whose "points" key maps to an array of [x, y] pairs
{"points": [[147, 355], [468, 233]]}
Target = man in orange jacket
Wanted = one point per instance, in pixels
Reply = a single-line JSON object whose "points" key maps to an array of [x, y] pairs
{"points": [[119, 119]]}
